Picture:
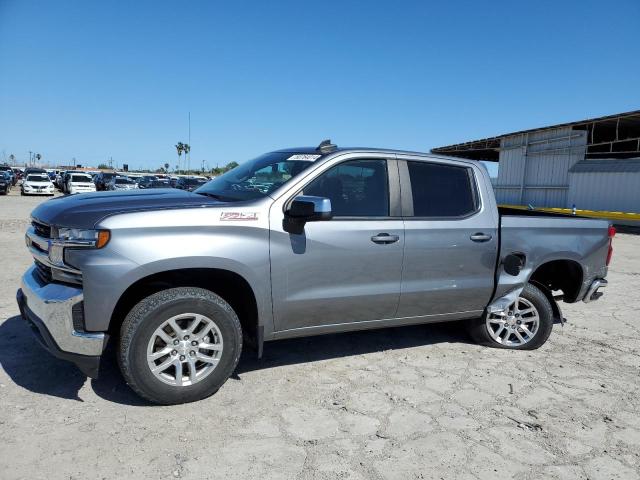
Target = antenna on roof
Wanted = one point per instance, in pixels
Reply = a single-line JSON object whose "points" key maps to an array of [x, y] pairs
{"points": [[326, 147]]}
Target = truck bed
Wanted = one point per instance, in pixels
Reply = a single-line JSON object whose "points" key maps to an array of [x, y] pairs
{"points": [[545, 237]]}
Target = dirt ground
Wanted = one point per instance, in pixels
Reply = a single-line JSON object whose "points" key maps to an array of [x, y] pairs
{"points": [[407, 403]]}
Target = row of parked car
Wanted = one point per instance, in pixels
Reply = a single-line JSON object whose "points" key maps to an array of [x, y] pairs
{"points": [[38, 181], [8, 178]]}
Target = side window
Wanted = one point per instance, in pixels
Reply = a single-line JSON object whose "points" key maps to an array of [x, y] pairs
{"points": [[358, 188], [442, 190]]}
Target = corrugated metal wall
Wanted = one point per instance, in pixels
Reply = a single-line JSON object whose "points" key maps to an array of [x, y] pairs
{"points": [[609, 191], [534, 167]]}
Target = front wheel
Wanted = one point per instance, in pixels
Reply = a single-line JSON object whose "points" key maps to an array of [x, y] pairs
{"points": [[179, 345], [526, 325]]}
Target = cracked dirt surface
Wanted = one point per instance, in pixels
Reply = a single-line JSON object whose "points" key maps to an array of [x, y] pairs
{"points": [[407, 403]]}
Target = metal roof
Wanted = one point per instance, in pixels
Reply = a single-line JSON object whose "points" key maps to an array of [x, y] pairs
{"points": [[606, 166], [616, 136]]}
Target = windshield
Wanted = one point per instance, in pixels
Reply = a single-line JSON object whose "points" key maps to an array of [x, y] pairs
{"points": [[124, 181], [80, 178], [37, 178], [194, 181], [259, 177]]}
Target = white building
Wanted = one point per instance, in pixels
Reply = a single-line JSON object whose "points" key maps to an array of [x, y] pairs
{"points": [[593, 164]]}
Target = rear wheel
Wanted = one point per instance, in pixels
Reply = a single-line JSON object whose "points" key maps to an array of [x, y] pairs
{"points": [[526, 325], [179, 345]]}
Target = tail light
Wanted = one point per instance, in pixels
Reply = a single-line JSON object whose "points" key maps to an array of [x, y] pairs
{"points": [[612, 233]]}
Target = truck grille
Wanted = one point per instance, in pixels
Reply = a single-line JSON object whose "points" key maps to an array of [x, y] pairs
{"points": [[43, 272], [41, 229]]}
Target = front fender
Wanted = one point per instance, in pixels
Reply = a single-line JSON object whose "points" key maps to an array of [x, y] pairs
{"points": [[135, 253]]}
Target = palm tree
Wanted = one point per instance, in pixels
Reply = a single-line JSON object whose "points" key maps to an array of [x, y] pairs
{"points": [[12, 158], [179, 148], [187, 148], [38, 157]]}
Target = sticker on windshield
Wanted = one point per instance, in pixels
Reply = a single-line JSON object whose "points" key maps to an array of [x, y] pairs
{"points": [[305, 157], [239, 216]]}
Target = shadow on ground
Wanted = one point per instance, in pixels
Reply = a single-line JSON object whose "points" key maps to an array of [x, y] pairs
{"points": [[32, 368]]}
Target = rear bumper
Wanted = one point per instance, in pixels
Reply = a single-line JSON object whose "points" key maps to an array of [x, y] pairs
{"points": [[75, 190], [48, 310], [593, 292]]}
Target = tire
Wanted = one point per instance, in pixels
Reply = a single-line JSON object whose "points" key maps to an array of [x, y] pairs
{"points": [[142, 324], [531, 296]]}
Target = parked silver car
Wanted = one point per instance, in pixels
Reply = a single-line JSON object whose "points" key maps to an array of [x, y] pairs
{"points": [[121, 183], [293, 243]]}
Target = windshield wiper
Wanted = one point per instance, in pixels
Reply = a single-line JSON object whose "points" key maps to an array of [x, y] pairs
{"points": [[222, 198]]}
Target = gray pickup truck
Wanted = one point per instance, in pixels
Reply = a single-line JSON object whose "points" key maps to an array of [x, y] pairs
{"points": [[297, 242]]}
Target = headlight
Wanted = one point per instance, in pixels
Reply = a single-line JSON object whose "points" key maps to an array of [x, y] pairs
{"points": [[82, 237]]}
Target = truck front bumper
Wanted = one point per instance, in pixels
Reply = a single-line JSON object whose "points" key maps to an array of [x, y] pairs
{"points": [[48, 309]]}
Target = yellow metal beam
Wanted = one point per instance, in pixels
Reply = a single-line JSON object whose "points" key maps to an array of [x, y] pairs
{"points": [[584, 213]]}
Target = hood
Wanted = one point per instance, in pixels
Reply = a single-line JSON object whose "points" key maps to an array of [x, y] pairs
{"points": [[87, 209], [31, 183]]}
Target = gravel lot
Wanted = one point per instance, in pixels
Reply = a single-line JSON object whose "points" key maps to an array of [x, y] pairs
{"points": [[416, 402]]}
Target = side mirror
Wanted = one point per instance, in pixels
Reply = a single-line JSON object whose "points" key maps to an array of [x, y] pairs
{"points": [[513, 263], [306, 208]]}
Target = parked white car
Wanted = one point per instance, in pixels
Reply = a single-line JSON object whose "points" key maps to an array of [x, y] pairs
{"points": [[37, 184], [80, 183]]}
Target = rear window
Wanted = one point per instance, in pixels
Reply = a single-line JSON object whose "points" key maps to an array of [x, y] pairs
{"points": [[194, 181], [81, 178], [442, 190], [124, 181], [37, 178]]}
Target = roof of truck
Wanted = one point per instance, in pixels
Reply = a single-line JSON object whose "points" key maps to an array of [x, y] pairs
{"points": [[314, 150]]}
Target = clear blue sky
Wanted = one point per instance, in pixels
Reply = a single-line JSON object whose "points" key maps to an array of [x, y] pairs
{"points": [[94, 79]]}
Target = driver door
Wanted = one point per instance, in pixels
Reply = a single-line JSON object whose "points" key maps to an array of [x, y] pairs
{"points": [[346, 270]]}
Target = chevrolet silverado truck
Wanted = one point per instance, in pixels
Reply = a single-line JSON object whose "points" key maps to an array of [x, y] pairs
{"points": [[297, 242]]}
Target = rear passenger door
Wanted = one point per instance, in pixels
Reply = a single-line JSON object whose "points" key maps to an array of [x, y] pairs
{"points": [[451, 239]]}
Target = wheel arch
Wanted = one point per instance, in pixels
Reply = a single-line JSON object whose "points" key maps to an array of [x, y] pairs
{"points": [[564, 274], [229, 285]]}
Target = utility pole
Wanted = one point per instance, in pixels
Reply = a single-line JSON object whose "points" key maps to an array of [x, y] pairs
{"points": [[189, 152]]}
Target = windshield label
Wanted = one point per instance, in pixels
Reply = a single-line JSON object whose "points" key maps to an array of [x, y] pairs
{"points": [[305, 157], [239, 216]]}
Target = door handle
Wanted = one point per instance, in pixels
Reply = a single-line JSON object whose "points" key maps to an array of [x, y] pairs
{"points": [[480, 237], [384, 238]]}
